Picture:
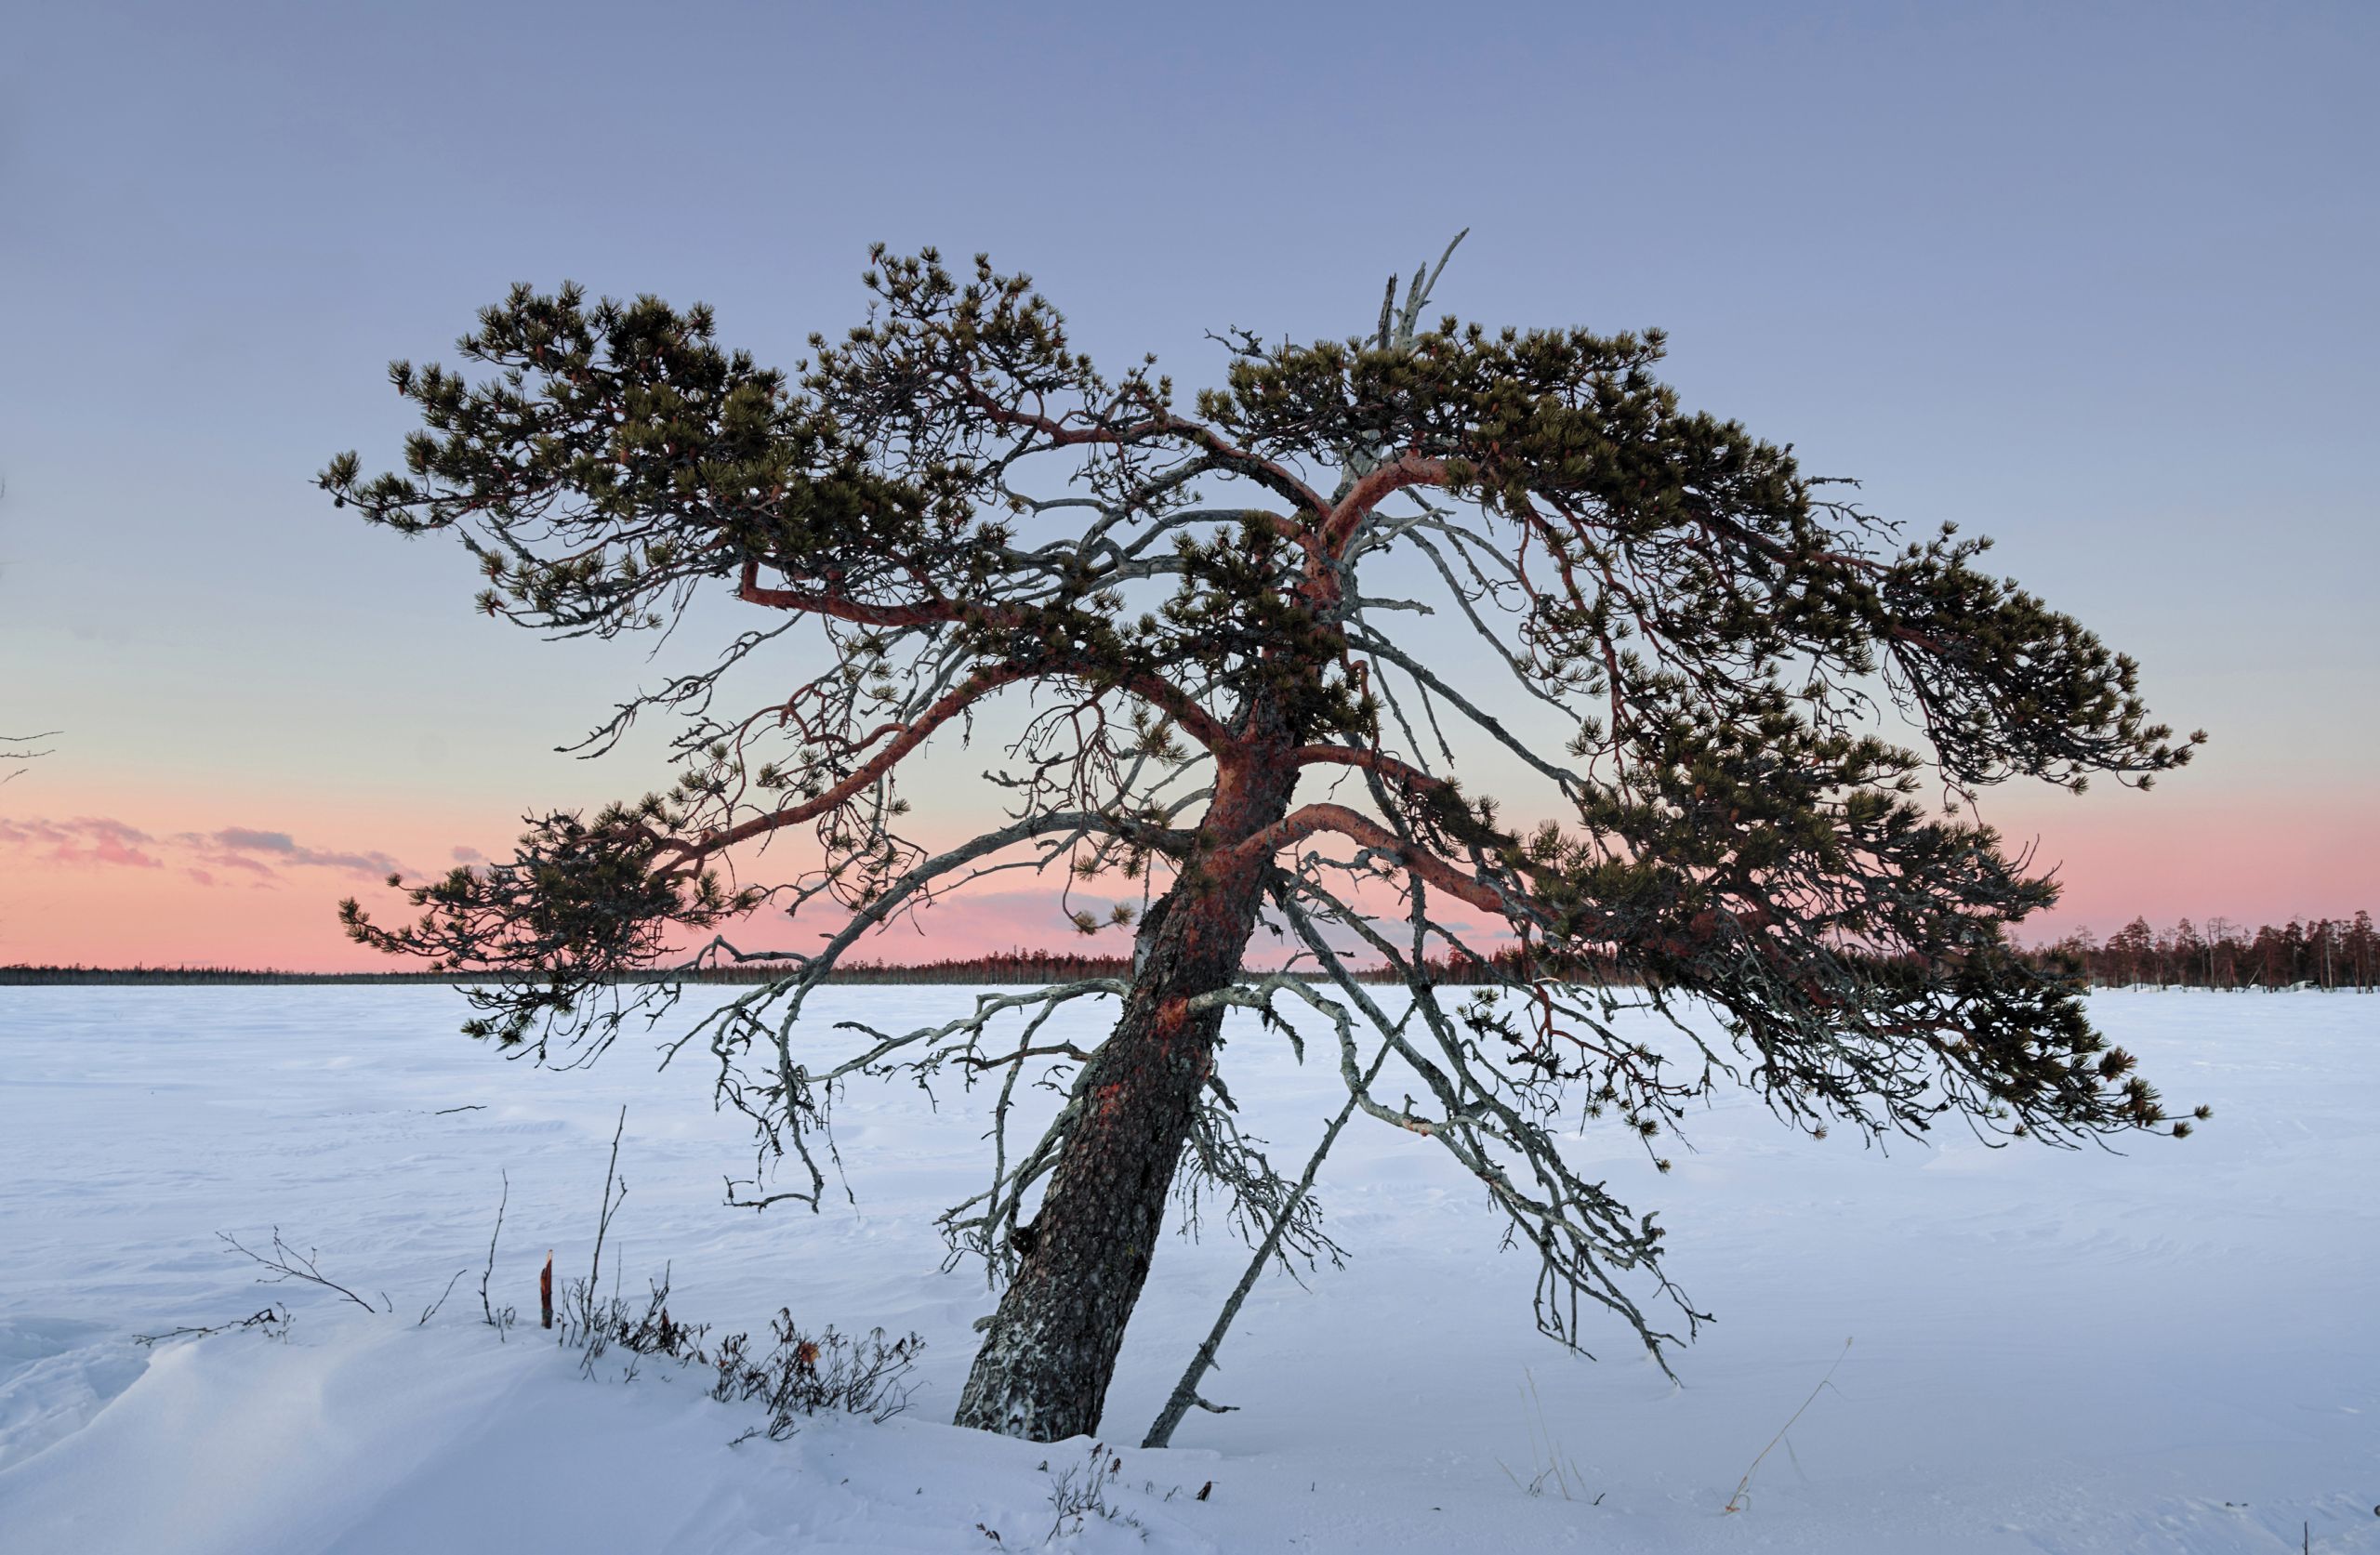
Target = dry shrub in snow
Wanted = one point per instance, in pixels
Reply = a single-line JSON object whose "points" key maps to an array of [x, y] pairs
{"points": [[799, 1374]]}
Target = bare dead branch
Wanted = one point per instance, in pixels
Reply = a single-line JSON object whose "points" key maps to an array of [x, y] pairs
{"points": [[273, 1321], [286, 1263]]}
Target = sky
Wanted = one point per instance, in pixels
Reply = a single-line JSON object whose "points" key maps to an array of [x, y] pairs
{"points": [[2094, 281]]}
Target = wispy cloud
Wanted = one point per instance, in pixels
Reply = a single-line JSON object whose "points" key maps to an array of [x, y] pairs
{"points": [[85, 840], [256, 855], [239, 846]]}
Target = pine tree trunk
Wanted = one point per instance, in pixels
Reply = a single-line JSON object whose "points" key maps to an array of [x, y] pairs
{"points": [[1045, 1365]]}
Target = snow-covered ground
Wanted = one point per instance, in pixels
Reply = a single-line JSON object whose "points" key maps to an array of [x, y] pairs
{"points": [[2172, 1350]]}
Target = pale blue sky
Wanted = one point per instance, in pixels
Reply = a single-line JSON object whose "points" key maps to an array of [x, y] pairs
{"points": [[2096, 280]]}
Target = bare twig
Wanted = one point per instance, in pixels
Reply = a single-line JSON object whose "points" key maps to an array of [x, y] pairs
{"points": [[1734, 1502], [22, 755], [603, 1220], [431, 1311], [287, 1263], [488, 1272]]}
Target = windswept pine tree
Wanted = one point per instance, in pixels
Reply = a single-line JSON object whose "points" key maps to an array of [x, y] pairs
{"points": [[1213, 610]]}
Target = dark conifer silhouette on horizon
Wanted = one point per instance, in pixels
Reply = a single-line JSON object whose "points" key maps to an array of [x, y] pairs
{"points": [[1233, 626]]}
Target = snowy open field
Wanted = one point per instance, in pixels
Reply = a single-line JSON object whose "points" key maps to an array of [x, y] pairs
{"points": [[2174, 1349]]}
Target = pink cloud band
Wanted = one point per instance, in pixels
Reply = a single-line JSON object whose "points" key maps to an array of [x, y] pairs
{"points": [[92, 841]]}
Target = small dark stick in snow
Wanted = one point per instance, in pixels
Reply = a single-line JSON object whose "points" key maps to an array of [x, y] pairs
{"points": [[546, 1292]]}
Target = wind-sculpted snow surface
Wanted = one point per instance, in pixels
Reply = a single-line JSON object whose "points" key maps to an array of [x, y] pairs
{"points": [[2166, 1350]]}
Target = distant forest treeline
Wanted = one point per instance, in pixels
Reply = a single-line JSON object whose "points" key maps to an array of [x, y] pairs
{"points": [[1021, 966], [1025, 967], [2326, 952]]}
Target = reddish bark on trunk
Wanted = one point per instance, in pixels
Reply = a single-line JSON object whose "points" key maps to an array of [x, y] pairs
{"points": [[1046, 1363]]}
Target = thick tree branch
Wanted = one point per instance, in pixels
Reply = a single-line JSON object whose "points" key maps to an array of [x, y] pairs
{"points": [[1308, 820]]}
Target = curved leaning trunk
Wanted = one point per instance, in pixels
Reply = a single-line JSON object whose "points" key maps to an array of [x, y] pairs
{"points": [[1043, 1371]]}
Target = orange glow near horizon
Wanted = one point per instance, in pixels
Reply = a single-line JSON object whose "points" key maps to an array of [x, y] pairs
{"points": [[124, 889]]}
